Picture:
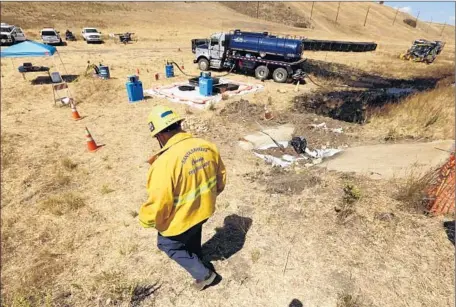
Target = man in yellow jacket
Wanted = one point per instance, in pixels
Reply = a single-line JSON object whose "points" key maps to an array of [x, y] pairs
{"points": [[184, 180]]}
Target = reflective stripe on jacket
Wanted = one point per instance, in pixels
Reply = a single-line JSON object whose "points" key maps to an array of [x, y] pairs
{"points": [[183, 182]]}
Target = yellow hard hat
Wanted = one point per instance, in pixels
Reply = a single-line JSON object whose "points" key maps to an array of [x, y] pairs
{"points": [[160, 118]]}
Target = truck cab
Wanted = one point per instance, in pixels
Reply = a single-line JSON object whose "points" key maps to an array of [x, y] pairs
{"points": [[10, 34], [50, 36], [209, 53]]}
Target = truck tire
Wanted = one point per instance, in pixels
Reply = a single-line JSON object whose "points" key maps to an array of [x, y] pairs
{"points": [[261, 72], [13, 40], [203, 64], [280, 75]]}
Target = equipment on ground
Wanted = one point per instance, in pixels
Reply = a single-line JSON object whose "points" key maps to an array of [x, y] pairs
{"points": [[69, 36], [160, 118], [169, 70], [125, 38], [186, 88], [221, 88], [50, 36], [205, 84], [134, 89], [28, 67], [423, 51], [263, 54], [299, 144], [104, 72]]}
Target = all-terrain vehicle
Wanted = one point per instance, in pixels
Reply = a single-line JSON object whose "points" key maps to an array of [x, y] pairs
{"points": [[69, 36], [423, 51]]}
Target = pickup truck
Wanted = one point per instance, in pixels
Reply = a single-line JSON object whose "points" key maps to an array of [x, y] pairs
{"points": [[91, 35], [50, 36], [10, 34]]}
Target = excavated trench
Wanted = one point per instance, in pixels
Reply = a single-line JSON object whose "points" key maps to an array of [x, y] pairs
{"points": [[350, 106], [366, 92]]}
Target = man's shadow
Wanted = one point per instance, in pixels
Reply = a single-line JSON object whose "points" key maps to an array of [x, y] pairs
{"points": [[228, 239]]}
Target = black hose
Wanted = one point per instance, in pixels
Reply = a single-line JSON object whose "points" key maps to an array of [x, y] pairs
{"points": [[178, 67], [326, 87], [315, 82]]}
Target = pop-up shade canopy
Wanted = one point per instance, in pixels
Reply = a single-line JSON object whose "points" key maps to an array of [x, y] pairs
{"points": [[28, 49]]}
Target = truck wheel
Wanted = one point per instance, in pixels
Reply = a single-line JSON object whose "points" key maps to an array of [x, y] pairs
{"points": [[280, 75], [13, 40], [261, 72], [203, 64]]}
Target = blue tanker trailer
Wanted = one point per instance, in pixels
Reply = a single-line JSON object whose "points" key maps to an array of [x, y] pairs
{"points": [[264, 54], [260, 53]]}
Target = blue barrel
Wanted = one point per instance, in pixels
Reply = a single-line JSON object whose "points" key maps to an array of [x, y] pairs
{"points": [[104, 72], [134, 89], [169, 70], [205, 84]]}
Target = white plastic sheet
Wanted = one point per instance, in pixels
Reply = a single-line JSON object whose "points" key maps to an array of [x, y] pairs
{"points": [[194, 99], [324, 127], [287, 160]]}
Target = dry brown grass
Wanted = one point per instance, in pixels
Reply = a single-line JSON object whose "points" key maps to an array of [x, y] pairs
{"points": [[349, 300], [346, 211], [62, 204], [105, 189], [68, 164], [8, 151], [428, 115]]}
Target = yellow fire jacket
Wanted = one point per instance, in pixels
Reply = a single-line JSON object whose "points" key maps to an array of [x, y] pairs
{"points": [[184, 179]]}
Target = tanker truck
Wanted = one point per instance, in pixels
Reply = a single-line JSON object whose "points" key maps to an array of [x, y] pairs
{"points": [[260, 54]]}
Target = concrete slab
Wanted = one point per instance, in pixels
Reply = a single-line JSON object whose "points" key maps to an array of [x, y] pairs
{"points": [[390, 160]]}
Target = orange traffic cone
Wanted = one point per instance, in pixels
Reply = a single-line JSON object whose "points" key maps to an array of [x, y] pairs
{"points": [[75, 112], [91, 145]]}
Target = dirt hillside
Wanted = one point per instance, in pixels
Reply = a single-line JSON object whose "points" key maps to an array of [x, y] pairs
{"points": [[300, 236]]}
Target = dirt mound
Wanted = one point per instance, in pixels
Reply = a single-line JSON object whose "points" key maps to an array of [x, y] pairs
{"points": [[243, 108], [277, 152], [280, 181]]}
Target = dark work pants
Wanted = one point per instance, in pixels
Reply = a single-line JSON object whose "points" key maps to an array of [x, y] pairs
{"points": [[185, 249]]}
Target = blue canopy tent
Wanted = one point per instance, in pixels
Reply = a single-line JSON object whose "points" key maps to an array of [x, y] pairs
{"points": [[28, 49], [35, 49]]}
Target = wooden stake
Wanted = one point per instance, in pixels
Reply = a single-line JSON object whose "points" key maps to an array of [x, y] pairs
{"points": [[397, 11], [338, 8], [443, 28], [367, 13], [312, 9], [416, 20]]}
